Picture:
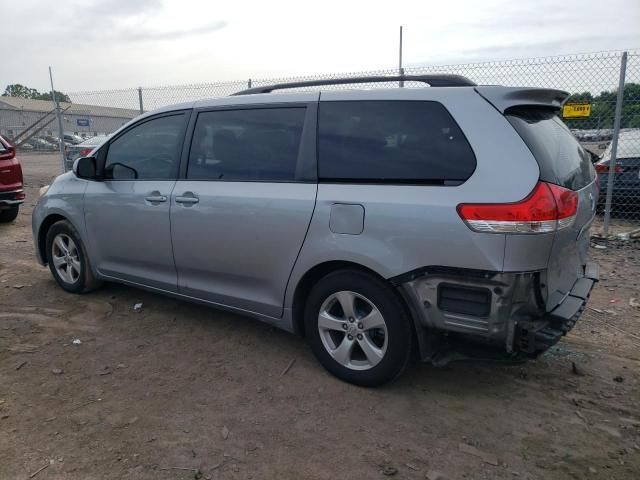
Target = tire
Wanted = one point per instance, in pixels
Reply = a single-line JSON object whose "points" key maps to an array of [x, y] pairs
{"points": [[340, 337], [68, 260], [8, 215]]}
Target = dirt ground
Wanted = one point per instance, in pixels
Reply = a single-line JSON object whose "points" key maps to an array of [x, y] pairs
{"points": [[179, 391]]}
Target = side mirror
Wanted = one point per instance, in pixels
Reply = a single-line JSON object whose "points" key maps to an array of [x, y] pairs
{"points": [[85, 167]]}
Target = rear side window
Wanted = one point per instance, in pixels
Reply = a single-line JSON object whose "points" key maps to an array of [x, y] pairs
{"points": [[561, 159], [392, 141], [246, 145]]}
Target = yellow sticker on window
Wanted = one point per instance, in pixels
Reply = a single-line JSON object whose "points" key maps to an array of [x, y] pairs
{"points": [[575, 110]]}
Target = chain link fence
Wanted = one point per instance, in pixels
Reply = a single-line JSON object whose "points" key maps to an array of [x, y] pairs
{"points": [[592, 80]]}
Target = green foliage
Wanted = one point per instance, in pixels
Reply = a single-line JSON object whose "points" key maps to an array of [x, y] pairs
{"points": [[22, 91], [62, 97], [17, 90], [603, 109]]}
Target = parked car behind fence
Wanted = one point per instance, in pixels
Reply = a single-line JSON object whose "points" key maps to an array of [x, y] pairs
{"points": [[81, 149], [626, 182]]}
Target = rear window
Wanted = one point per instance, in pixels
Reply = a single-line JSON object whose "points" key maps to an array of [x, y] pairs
{"points": [[391, 141], [561, 159]]}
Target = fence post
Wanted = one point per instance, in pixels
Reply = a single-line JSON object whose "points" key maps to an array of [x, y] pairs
{"points": [[400, 69], [249, 84], [614, 144], [54, 97], [140, 100]]}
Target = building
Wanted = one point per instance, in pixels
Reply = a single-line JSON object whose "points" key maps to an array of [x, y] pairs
{"points": [[18, 114]]}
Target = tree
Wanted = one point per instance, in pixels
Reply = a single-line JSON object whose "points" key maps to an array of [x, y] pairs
{"points": [[17, 90], [62, 97], [22, 91], [603, 109]]}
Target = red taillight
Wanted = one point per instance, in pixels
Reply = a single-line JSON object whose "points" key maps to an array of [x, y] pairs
{"points": [[547, 209], [85, 151], [604, 168]]}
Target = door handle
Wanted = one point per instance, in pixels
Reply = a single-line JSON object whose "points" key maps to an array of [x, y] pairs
{"points": [[156, 198], [188, 198]]}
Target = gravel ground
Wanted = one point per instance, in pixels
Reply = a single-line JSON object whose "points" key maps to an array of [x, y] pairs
{"points": [[179, 391]]}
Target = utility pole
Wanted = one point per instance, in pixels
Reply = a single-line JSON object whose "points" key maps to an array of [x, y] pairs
{"points": [[400, 69], [59, 115]]}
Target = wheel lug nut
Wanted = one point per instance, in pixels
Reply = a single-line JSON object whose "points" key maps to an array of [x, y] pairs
{"points": [[351, 319], [360, 326], [350, 337], [359, 336], [344, 326]]}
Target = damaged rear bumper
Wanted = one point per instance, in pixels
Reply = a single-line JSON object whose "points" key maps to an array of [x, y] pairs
{"points": [[537, 337], [503, 310]]}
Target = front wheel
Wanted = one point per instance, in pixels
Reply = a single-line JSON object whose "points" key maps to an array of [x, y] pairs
{"points": [[8, 215], [358, 328], [67, 259]]}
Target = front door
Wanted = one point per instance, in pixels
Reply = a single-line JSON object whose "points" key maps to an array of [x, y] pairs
{"points": [[127, 214], [239, 218]]}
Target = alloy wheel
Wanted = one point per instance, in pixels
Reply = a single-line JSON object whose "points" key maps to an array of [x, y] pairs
{"points": [[353, 330], [66, 258]]}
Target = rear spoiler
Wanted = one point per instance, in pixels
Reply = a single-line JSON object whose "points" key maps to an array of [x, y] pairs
{"points": [[504, 98]]}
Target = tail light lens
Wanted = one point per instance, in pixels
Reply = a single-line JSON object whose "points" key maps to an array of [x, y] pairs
{"points": [[604, 168], [547, 208], [85, 151]]}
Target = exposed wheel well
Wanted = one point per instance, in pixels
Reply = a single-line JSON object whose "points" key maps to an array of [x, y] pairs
{"points": [[309, 280], [42, 234]]}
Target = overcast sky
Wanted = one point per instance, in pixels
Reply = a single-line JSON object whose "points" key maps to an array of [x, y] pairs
{"points": [[109, 44]]}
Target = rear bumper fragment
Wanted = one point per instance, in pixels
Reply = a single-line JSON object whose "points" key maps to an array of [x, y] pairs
{"points": [[561, 319], [501, 309], [12, 198]]}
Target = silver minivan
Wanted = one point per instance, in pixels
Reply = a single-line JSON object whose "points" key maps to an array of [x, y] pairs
{"points": [[381, 224]]}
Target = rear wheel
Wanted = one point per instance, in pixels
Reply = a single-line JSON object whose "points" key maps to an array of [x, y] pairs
{"points": [[9, 214], [68, 260], [358, 328]]}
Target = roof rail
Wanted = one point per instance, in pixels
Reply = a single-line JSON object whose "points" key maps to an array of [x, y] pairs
{"points": [[443, 80]]}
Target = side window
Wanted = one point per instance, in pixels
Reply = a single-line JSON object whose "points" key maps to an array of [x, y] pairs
{"points": [[148, 151], [392, 141], [246, 145]]}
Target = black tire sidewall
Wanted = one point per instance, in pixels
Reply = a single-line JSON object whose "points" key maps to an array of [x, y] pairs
{"points": [[68, 229], [9, 214], [399, 330]]}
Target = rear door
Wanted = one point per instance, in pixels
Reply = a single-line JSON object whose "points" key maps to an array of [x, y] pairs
{"points": [[240, 212], [564, 162]]}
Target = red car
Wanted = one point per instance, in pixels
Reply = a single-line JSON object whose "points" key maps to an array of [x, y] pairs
{"points": [[11, 185]]}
